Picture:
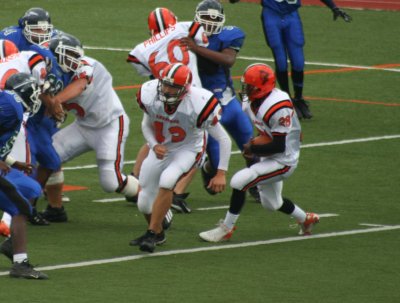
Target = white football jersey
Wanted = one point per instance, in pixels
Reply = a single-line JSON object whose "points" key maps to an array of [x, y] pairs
{"points": [[28, 62], [98, 104], [276, 116], [186, 127], [150, 57]]}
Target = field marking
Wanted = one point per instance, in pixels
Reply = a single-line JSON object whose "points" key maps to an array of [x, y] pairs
{"points": [[248, 58], [214, 248], [349, 141]]}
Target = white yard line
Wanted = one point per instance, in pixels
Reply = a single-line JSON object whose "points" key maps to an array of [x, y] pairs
{"points": [[247, 58], [215, 248], [341, 142]]}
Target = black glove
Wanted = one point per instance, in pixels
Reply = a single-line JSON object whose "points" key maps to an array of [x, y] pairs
{"points": [[338, 12], [234, 1]]}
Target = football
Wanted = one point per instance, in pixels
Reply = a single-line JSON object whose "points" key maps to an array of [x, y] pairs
{"points": [[261, 140]]}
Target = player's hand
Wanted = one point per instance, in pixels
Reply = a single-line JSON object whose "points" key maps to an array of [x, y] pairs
{"points": [[338, 12], [218, 182], [22, 166], [4, 168], [234, 1], [188, 43], [160, 151], [247, 154]]}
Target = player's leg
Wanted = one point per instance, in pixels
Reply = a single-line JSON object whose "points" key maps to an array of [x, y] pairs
{"points": [[273, 26], [294, 39]]}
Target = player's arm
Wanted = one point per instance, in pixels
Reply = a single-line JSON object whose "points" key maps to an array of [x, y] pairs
{"points": [[226, 57], [337, 12], [218, 182], [148, 133]]}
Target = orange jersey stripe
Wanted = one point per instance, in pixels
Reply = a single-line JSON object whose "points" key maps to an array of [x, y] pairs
{"points": [[194, 28], [273, 109], [207, 110], [132, 59], [35, 59]]}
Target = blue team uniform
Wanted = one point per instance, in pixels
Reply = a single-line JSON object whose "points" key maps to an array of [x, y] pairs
{"points": [[40, 127], [283, 31], [11, 112], [217, 79]]}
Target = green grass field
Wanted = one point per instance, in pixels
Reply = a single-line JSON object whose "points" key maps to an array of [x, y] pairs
{"points": [[353, 256]]}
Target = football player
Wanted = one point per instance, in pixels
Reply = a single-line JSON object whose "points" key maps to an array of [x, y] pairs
{"points": [[283, 32], [272, 113], [151, 56], [100, 124], [176, 118], [20, 94], [214, 62], [34, 27], [33, 32], [35, 64]]}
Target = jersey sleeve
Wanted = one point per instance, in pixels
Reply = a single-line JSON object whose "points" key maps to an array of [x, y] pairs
{"points": [[85, 71], [210, 114], [232, 37], [196, 31], [279, 118], [137, 63], [37, 65]]}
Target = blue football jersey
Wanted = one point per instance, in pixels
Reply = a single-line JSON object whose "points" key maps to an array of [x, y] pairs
{"points": [[216, 77], [11, 114], [282, 7]]}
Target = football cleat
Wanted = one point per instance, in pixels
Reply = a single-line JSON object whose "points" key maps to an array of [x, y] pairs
{"points": [[148, 242], [219, 234], [37, 219], [7, 249], [4, 229], [167, 222], [302, 109], [55, 214], [179, 204], [307, 226], [160, 239], [25, 270]]}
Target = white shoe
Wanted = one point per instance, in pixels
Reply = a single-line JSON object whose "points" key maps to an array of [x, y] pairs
{"points": [[307, 225], [218, 234]]}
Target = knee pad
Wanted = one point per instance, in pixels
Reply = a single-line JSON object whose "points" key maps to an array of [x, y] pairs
{"points": [[143, 204], [131, 187], [56, 178]]}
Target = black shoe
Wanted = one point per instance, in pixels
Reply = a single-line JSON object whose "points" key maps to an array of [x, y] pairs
{"points": [[302, 109], [131, 199], [253, 191], [25, 270], [149, 241], [7, 249], [55, 214], [37, 218], [179, 204], [206, 177], [167, 222], [160, 239]]}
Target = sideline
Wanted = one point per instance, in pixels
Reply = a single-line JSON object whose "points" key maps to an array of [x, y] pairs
{"points": [[215, 248]]}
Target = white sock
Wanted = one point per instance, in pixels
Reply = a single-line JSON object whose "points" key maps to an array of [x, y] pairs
{"points": [[6, 219], [299, 214], [230, 220], [19, 258]]}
